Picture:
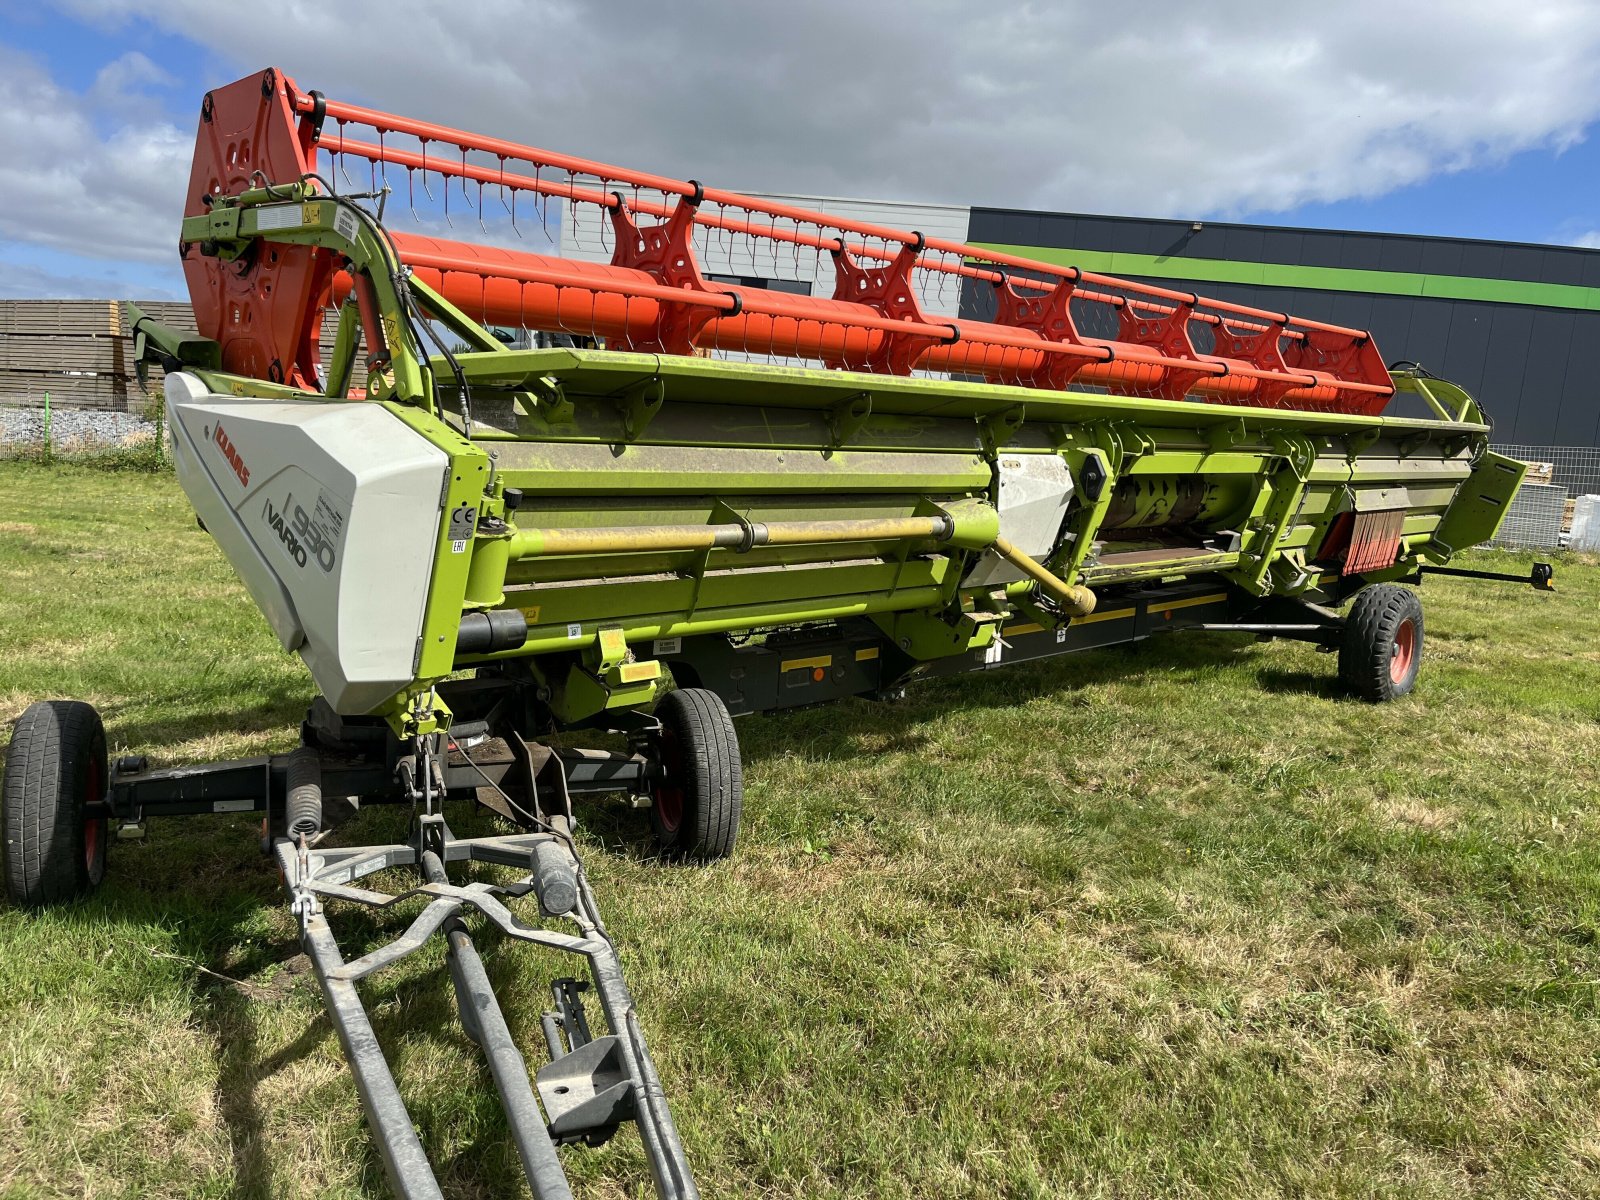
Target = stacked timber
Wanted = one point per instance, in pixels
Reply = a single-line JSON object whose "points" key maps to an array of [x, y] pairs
{"points": [[75, 350], [80, 352]]}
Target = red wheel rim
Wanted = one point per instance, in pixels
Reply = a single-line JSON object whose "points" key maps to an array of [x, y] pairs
{"points": [[1405, 650], [669, 808], [669, 795], [92, 828]]}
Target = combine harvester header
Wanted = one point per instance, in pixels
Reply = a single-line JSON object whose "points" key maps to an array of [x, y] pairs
{"points": [[687, 499]]}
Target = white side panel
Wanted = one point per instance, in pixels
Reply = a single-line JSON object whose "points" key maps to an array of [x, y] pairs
{"points": [[329, 512], [1034, 491]]}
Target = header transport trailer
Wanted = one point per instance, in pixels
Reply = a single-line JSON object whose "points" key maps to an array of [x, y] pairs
{"points": [[687, 499]]}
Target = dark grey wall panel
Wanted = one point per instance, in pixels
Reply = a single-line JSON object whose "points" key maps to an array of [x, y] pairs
{"points": [[1441, 258], [1281, 245], [1542, 385], [1521, 262], [1426, 341], [1561, 267], [1505, 363], [1351, 309], [1481, 260], [1468, 345], [1577, 423], [1244, 245], [1099, 231], [1393, 314], [1365, 254]]}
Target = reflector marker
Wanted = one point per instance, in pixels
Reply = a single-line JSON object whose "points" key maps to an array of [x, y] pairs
{"points": [[795, 664]]}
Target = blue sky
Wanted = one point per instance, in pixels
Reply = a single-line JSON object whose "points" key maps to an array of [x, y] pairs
{"points": [[1335, 127], [1546, 195]]}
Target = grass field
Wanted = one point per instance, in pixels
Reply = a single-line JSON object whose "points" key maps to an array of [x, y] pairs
{"points": [[1179, 921]]}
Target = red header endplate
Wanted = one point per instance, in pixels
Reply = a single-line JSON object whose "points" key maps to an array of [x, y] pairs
{"points": [[265, 307]]}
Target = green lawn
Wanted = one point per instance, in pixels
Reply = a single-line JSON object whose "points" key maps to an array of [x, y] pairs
{"points": [[1177, 921]]}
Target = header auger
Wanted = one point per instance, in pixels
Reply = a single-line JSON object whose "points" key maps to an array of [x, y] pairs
{"points": [[682, 499]]}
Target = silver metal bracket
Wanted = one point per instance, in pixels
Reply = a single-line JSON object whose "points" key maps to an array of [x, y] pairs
{"points": [[591, 1085]]}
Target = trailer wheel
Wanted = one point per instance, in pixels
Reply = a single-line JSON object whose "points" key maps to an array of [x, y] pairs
{"points": [[1382, 647], [696, 807], [55, 768]]}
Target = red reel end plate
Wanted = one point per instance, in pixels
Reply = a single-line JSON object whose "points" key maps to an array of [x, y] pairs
{"points": [[261, 308]]}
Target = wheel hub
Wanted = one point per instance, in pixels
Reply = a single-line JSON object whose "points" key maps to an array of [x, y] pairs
{"points": [[1404, 652]]}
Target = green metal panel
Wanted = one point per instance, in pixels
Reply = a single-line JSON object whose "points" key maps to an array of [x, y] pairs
{"points": [[579, 468], [604, 597], [561, 378], [1476, 515]]}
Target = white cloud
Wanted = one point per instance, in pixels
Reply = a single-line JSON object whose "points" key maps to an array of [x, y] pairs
{"points": [[1179, 110], [70, 186], [119, 86], [1590, 240], [1175, 109]]}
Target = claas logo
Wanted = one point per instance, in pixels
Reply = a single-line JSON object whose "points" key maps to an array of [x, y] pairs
{"points": [[232, 455]]}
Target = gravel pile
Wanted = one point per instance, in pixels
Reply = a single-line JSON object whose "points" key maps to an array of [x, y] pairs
{"points": [[70, 425]]}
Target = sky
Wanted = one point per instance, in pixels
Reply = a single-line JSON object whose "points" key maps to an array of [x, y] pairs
{"points": [[1473, 119]]}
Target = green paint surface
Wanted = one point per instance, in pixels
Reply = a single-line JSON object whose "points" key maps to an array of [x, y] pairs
{"points": [[1327, 279]]}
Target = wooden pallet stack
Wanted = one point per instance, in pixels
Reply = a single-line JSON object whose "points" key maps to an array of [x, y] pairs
{"points": [[73, 349], [81, 352]]}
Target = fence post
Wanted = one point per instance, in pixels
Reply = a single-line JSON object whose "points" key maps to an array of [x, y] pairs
{"points": [[47, 446]]}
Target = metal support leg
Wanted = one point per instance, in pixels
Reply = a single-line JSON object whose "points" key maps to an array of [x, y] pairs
{"points": [[480, 1013], [404, 1160]]}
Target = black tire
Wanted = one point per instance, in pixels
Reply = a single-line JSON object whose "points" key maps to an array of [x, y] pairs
{"points": [[56, 766], [696, 811], [1381, 651]]}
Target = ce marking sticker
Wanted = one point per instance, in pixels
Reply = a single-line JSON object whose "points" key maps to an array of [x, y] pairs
{"points": [[463, 520]]}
